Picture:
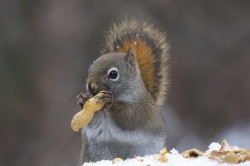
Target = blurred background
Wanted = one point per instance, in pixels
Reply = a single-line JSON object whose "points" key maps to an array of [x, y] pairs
{"points": [[47, 46]]}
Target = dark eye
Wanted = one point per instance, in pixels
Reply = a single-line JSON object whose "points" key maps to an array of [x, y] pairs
{"points": [[113, 74]]}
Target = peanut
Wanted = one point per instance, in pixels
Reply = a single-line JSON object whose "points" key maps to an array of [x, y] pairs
{"points": [[85, 116]]}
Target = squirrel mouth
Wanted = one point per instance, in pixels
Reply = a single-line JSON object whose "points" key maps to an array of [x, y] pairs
{"points": [[94, 92], [94, 89]]}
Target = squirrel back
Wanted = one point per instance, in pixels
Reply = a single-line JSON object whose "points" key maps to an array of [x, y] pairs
{"points": [[151, 51]]}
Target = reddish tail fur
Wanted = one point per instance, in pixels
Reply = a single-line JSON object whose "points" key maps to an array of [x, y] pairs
{"points": [[150, 49]]}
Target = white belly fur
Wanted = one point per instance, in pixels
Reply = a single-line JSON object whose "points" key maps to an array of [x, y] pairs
{"points": [[102, 130]]}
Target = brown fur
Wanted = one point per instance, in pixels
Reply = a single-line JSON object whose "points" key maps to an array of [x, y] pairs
{"points": [[151, 51]]}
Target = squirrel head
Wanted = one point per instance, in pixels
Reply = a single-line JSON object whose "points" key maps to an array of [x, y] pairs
{"points": [[115, 72]]}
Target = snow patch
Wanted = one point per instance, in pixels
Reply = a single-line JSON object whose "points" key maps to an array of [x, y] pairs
{"points": [[174, 158]]}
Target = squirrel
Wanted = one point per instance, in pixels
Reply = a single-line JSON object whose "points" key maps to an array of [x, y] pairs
{"points": [[132, 72]]}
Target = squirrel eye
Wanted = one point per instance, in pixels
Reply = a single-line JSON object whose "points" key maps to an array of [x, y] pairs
{"points": [[113, 74]]}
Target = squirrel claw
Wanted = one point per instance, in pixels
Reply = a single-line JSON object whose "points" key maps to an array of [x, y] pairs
{"points": [[82, 97], [107, 98]]}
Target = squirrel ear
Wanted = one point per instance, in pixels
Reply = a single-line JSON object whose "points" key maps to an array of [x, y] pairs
{"points": [[130, 57]]}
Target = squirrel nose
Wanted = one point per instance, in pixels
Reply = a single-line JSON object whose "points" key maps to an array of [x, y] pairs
{"points": [[93, 88]]}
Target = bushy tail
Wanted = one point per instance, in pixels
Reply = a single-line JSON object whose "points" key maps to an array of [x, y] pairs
{"points": [[151, 51]]}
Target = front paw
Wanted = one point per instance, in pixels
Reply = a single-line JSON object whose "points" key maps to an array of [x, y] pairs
{"points": [[82, 97], [105, 97]]}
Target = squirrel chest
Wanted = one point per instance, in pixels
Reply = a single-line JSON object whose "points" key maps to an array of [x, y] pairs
{"points": [[107, 140]]}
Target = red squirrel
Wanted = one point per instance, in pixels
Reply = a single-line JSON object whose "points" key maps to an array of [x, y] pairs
{"points": [[133, 73]]}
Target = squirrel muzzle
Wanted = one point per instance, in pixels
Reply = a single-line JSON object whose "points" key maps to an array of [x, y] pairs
{"points": [[95, 88]]}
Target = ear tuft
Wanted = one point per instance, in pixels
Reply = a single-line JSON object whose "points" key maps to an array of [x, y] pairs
{"points": [[130, 57]]}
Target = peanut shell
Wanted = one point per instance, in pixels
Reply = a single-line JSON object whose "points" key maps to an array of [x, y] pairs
{"points": [[85, 116]]}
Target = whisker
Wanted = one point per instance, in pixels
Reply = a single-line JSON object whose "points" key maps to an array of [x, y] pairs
{"points": [[72, 97]]}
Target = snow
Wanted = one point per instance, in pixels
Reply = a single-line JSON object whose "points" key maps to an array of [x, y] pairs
{"points": [[174, 158], [213, 146]]}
